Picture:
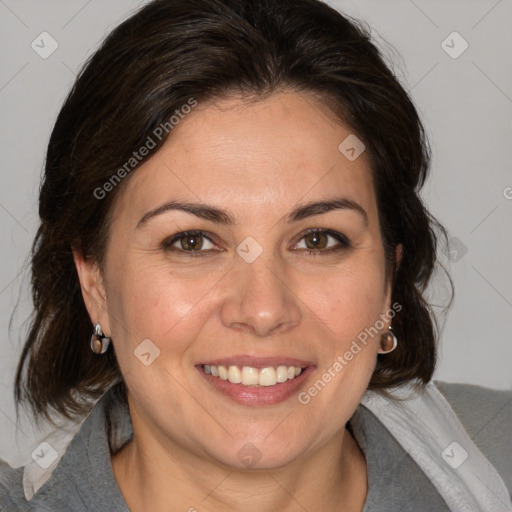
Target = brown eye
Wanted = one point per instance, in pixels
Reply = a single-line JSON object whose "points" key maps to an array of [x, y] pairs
{"points": [[316, 240], [321, 241], [191, 242]]}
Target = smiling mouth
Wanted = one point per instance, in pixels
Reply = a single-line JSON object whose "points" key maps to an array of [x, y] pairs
{"points": [[253, 377]]}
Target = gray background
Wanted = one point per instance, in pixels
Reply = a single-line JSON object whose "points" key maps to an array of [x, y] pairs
{"points": [[466, 104]]}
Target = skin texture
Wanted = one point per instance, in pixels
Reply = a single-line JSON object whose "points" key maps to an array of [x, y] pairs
{"points": [[258, 162]]}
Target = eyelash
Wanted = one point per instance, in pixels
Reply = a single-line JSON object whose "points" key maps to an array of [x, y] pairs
{"points": [[168, 243], [344, 242]]}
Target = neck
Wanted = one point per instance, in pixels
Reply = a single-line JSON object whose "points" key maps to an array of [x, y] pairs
{"points": [[153, 477]]}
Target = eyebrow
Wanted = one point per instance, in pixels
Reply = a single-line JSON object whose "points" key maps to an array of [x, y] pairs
{"points": [[319, 207], [218, 216]]}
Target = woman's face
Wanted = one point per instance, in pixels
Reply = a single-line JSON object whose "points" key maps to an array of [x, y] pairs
{"points": [[250, 287]]}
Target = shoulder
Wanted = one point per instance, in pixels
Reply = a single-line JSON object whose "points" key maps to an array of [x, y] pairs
{"points": [[487, 417], [81, 478], [11, 488], [13, 499], [12, 493]]}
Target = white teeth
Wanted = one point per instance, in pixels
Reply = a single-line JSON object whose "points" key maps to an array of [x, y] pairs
{"points": [[282, 374], [234, 375], [248, 376], [267, 377], [223, 373]]}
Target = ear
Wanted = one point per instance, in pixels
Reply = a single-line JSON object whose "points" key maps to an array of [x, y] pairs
{"points": [[93, 291]]}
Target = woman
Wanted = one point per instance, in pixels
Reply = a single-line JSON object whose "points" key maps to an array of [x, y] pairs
{"points": [[230, 205]]}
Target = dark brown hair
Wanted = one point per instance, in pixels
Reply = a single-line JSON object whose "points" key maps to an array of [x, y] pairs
{"points": [[146, 69]]}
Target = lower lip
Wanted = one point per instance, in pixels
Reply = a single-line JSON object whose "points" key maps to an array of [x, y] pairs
{"points": [[266, 395]]}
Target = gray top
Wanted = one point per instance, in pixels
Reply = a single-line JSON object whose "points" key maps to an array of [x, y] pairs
{"points": [[84, 480]]}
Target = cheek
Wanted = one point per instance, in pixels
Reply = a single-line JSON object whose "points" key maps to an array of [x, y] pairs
{"points": [[347, 300], [150, 301], [346, 305]]}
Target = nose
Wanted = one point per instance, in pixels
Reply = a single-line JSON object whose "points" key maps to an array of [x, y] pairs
{"points": [[259, 300]]}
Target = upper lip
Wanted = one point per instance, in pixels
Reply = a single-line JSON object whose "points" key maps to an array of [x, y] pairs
{"points": [[257, 362]]}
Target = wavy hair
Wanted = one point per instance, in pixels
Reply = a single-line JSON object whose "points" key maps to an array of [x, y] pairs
{"points": [[146, 69]]}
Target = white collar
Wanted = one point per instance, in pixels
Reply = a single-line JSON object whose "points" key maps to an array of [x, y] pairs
{"points": [[428, 429], [424, 424]]}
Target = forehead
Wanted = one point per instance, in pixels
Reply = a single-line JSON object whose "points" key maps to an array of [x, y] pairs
{"points": [[277, 151]]}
